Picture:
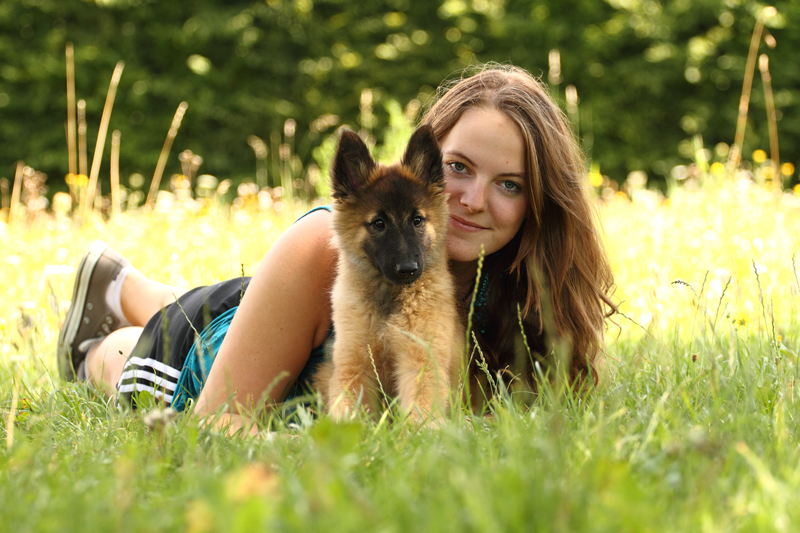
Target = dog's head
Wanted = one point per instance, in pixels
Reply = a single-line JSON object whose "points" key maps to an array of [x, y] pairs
{"points": [[390, 218]]}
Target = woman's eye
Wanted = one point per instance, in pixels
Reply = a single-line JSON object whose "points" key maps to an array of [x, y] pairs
{"points": [[379, 224], [512, 186], [458, 167], [418, 221]]}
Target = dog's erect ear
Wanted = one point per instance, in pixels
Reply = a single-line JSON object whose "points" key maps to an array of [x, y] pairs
{"points": [[352, 165], [424, 157]]}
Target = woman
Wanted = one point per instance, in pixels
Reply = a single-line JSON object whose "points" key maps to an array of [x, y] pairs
{"points": [[516, 182]]}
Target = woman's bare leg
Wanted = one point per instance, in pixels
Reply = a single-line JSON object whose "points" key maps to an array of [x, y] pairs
{"points": [[105, 361], [142, 297], [98, 301]]}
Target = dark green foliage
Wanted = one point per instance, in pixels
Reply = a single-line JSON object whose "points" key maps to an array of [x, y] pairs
{"points": [[649, 74]]}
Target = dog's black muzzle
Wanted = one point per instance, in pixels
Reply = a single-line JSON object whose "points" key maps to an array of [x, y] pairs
{"points": [[403, 271]]}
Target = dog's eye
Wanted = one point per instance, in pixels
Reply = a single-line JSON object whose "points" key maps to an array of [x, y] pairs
{"points": [[418, 220], [379, 224]]}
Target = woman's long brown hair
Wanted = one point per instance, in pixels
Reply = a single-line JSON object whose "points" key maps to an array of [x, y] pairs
{"points": [[555, 268]]}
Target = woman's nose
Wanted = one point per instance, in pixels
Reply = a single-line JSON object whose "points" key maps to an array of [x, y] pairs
{"points": [[473, 197]]}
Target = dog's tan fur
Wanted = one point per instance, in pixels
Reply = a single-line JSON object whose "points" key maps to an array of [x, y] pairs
{"points": [[416, 344]]}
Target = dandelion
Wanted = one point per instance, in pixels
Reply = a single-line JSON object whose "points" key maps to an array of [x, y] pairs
{"points": [[158, 418], [741, 321]]}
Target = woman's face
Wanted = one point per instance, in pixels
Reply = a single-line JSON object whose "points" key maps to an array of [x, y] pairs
{"points": [[484, 167]]}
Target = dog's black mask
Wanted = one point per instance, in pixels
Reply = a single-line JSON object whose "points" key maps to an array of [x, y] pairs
{"points": [[395, 197]]}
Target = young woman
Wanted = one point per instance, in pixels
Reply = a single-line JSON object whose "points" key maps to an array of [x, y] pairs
{"points": [[516, 178]]}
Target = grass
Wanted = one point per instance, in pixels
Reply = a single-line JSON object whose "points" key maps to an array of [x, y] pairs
{"points": [[694, 427]]}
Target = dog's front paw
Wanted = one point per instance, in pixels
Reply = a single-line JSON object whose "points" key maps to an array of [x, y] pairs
{"points": [[341, 409]]}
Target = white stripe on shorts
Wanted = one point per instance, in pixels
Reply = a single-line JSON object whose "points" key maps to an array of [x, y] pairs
{"points": [[152, 363], [149, 376], [130, 387]]}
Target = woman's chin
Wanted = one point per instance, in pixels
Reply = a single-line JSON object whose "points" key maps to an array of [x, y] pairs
{"points": [[460, 251]]}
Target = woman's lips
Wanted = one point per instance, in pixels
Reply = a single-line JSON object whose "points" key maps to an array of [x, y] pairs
{"points": [[465, 225]]}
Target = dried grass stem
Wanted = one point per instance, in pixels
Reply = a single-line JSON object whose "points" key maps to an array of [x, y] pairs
{"points": [[162, 158], [115, 142], [71, 122], [772, 121], [15, 192], [101, 135], [744, 101]]}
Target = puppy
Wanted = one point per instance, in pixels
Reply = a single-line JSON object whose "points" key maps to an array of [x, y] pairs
{"points": [[397, 329]]}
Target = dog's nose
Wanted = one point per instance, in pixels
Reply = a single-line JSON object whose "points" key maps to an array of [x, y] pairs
{"points": [[407, 269]]}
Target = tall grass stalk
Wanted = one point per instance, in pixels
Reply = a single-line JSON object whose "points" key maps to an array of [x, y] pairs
{"points": [[72, 148], [464, 386], [102, 132], [285, 157], [766, 78], [571, 95], [12, 413], [82, 155], [115, 200], [15, 192], [162, 158], [735, 155]]}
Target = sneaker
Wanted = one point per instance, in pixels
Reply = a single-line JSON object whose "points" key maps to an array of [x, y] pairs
{"points": [[89, 318]]}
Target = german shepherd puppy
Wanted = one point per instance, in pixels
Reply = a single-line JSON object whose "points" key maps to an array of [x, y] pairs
{"points": [[394, 309]]}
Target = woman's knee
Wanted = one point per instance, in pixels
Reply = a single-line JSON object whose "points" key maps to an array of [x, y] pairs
{"points": [[104, 362]]}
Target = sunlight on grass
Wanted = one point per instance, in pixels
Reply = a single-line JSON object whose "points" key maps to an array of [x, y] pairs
{"points": [[693, 428]]}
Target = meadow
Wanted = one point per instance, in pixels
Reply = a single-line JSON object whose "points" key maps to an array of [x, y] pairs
{"points": [[693, 427]]}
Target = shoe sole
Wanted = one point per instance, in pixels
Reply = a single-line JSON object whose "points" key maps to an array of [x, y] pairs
{"points": [[72, 321]]}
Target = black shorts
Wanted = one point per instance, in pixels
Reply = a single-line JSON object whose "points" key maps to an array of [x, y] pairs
{"points": [[155, 363]]}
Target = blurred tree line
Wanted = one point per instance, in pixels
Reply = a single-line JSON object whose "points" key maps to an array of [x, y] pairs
{"points": [[639, 78]]}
